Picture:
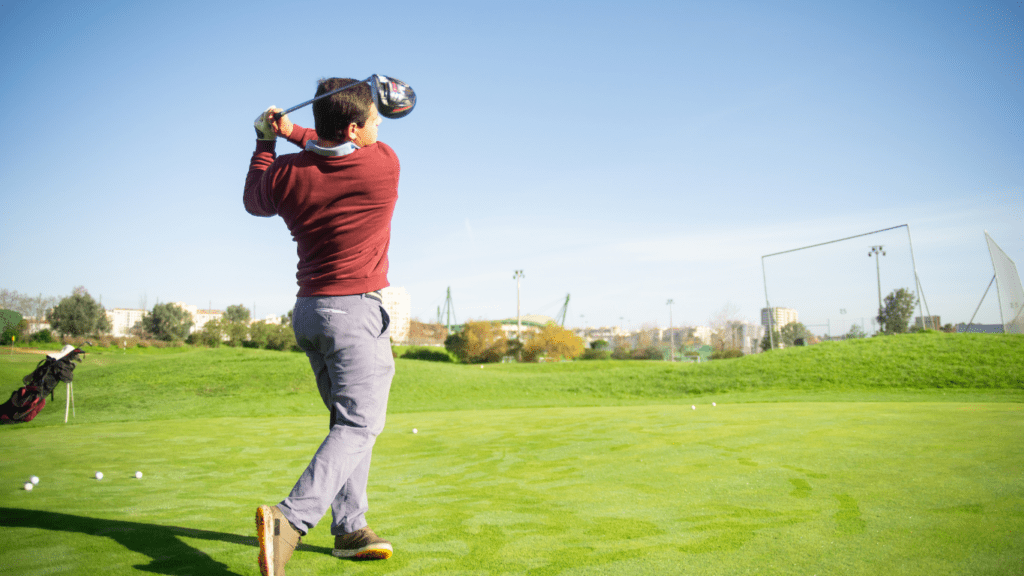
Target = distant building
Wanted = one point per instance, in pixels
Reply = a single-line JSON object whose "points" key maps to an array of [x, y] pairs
{"points": [[199, 317], [398, 304], [122, 320], [36, 324], [930, 322], [749, 336], [778, 317]]}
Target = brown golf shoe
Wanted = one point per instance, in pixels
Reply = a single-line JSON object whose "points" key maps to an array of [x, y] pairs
{"points": [[277, 538], [362, 544]]}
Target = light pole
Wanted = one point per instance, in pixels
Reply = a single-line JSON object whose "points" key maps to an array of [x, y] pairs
{"points": [[875, 251], [671, 334], [519, 320]]}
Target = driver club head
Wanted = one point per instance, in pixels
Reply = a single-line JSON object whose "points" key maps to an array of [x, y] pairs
{"points": [[394, 98]]}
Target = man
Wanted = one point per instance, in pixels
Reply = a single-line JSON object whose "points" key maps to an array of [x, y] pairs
{"points": [[337, 197]]}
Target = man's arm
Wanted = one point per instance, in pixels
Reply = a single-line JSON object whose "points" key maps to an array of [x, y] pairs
{"points": [[292, 132], [257, 195]]}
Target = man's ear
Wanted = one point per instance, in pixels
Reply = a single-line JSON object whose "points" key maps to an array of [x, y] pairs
{"points": [[351, 131]]}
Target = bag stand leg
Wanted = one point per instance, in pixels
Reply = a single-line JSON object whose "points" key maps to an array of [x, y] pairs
{"points": [[70, 402]]}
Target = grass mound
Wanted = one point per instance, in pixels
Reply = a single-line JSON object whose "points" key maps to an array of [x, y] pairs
{"points": [[183, 383]]}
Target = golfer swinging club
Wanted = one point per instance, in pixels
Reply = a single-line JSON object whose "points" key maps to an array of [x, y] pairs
{"points": [[337, 196]]}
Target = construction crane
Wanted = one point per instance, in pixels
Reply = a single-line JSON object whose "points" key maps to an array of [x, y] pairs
{"points": [[448, 313], [563, 312]]}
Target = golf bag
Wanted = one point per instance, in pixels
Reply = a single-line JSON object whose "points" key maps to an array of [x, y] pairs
{"points": [[28, 400]]}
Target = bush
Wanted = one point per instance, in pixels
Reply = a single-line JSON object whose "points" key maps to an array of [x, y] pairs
{"points": [[553, 343], [622, 352], [429, 354], [648, 353], [596, 354], [478, 342], [43, 336], [726, 354]]}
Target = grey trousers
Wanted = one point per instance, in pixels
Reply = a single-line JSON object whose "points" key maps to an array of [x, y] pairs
{"points": [[348, 342]]}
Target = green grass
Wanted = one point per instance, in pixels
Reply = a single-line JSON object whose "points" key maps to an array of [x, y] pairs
{"points": [[884, 456]]}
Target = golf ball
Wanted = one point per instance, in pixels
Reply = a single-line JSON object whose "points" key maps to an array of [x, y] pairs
{"points": [[693, 407], [34, 479], [713, 404], [99, 475], [138, 474], [415, 431], [28, 486]]}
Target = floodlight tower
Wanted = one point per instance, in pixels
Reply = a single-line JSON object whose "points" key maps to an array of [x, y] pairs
{"points": [[875, 251], [671, 334], [518, 276]]}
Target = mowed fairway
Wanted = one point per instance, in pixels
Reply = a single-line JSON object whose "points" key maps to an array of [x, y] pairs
{"points": [[930, 486]]}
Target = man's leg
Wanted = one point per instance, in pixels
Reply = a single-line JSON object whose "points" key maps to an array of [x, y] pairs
{"points": [[352, 503], [348, 336]]}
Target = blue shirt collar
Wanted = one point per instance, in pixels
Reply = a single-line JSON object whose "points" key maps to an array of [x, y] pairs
{"points": [[341, 150]]}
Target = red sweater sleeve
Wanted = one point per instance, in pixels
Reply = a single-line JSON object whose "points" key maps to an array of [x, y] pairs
{"points": [[257, 196], [300, 136]]}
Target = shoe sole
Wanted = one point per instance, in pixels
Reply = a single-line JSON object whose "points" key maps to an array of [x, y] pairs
{"points": [[371, 552], [265, 535]]}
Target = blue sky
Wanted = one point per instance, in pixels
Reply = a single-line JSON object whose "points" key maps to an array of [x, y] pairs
{"points": [[623, 153]]}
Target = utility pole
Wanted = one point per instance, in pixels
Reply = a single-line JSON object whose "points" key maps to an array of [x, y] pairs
{"points": [[671, 334], [875, 251], [518, 276]]}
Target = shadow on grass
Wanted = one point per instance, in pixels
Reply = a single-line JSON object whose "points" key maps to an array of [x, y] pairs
{"points": [[161, 543]]}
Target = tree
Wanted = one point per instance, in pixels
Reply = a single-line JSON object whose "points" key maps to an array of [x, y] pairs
{"points": [[766, 342], [790, 333], [12, 325], [78, 315], [211, 334], [856, 332], [272, 336], [478, 342], [897, 308], [787, 336], [726, 329], [168, 322], [555, 343], [237, 313], [235, 324]]}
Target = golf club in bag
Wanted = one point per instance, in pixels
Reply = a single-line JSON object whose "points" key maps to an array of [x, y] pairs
{"points": [[393, 97]]}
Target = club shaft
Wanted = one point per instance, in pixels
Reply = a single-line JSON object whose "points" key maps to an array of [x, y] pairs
{"points": [[278, 115]]}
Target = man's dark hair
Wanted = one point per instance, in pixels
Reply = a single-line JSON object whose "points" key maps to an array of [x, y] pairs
{"points": [[332, 115]]}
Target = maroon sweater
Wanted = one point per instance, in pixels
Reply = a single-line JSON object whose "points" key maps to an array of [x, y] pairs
{"points": [[338, 209]]}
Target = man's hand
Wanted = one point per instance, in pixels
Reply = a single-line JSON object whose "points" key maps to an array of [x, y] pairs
{"points": [[264, 130], [282, 126]]}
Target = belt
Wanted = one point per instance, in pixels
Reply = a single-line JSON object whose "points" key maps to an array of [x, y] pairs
{"points": [[375, 295]]}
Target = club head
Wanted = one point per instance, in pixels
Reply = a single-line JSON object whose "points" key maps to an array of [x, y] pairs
{"points": [[394, 98]]}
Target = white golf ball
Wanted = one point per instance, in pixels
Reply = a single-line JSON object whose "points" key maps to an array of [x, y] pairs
{"points": [[713, 404], [138, 474], [693, 407], [99, 475], [34, 479], [415, 431], [28, 486]]}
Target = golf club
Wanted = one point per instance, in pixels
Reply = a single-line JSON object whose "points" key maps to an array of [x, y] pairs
{"points": [[393, 97]]}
